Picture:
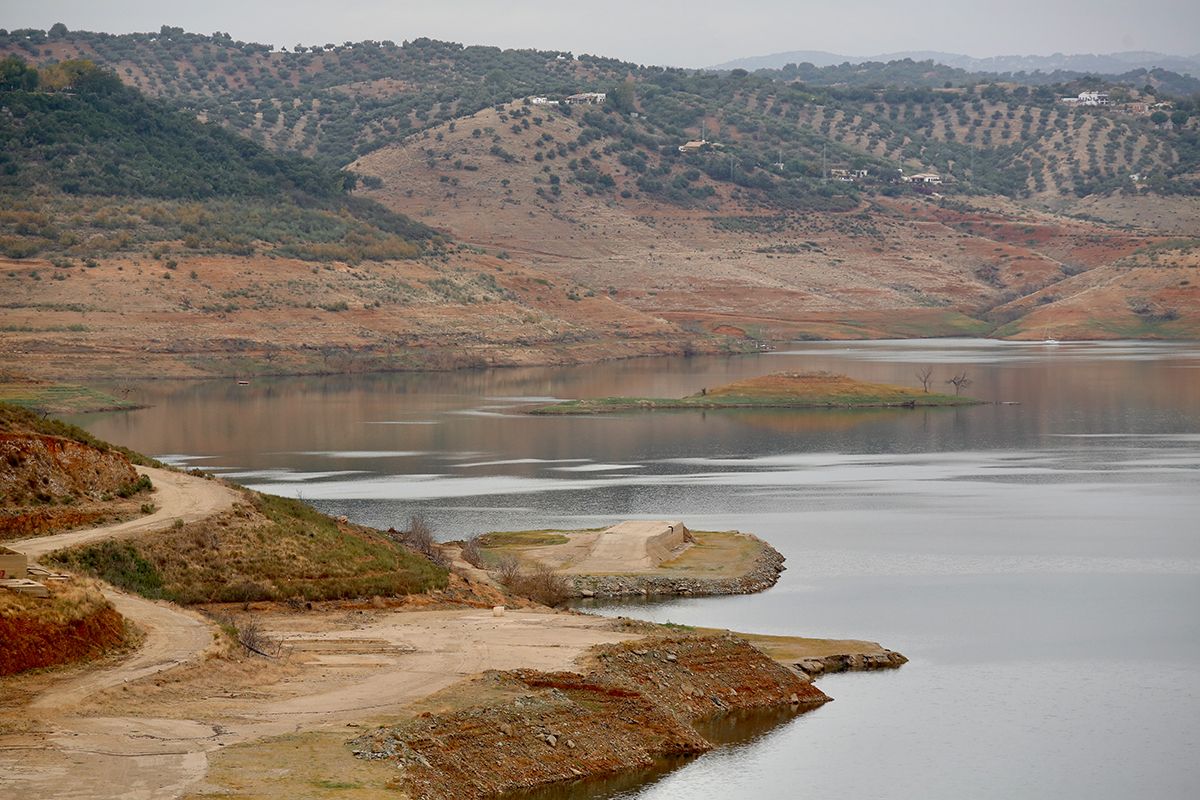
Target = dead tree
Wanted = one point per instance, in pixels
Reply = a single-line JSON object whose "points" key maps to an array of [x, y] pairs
{"points": [[960, 381], [924, 375]]}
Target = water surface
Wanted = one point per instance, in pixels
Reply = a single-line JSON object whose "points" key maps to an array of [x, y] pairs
{"points": [[1038, 562]]}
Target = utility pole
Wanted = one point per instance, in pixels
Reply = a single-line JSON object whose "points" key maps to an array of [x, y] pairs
{"points": [[824, 168], [731, 167]]}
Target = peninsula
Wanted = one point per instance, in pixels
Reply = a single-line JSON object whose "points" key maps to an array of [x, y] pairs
{"points": [[639, 557]]}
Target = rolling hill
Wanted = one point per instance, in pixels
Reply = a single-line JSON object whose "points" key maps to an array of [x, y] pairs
{"points": [[376, 205]]}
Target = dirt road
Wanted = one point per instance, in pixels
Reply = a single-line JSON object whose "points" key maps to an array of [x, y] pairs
{"points": [[176, 495], [135, 731], [71, 756], [173, 636]]}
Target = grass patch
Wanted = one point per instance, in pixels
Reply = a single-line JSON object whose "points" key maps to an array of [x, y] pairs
{"points": [[60, 398], [118, 563], [268, 548], [501, 539]]}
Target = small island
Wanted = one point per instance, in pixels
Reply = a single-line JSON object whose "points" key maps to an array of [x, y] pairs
{"points": [[778, 390]]}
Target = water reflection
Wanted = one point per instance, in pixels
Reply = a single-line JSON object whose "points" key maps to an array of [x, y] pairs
{"points": [[730, 732], [1039, 562]]}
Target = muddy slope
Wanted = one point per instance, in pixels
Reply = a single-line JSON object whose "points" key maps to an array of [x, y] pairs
{"points": [[638, 705]]}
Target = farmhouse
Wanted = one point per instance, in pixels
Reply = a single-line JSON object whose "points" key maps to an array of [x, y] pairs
{"points": [[694, 146], [587, 98], [1089, 99], [927, 178], [847, 175], [542, 101]]}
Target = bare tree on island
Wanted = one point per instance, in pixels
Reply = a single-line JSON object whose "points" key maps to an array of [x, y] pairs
{"points": [[924, 375], [960, 381]]}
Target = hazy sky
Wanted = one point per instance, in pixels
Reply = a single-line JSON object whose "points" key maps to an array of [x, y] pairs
{"points": [[674, 32]]}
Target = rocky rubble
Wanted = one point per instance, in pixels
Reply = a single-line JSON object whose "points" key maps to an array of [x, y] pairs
{"points": [[763, 575], [852, 662], [636, 707]]}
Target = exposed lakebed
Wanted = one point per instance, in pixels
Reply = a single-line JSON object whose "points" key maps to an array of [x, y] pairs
{"points": [[1038, 563]]}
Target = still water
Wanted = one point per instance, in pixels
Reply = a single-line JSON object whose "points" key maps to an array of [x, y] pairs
{"points": [[1039, 562]]}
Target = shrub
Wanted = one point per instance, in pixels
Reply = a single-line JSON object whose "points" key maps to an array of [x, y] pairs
{"points": [[420, 539], [142, 484], [540, 584], [471, 552]]}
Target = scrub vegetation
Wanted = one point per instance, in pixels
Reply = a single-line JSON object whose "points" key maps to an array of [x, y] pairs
{"points": [[267, 548]]}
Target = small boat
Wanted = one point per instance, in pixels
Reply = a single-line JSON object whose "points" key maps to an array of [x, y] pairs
{"points": [[243, 383]]}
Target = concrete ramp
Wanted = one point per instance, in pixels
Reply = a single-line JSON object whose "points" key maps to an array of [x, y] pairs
{"points": [[634, 545]]}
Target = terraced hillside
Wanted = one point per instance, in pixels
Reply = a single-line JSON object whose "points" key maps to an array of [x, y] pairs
{"points": [[909, 265], [340, 101], [1007, 147], [580, 231]]}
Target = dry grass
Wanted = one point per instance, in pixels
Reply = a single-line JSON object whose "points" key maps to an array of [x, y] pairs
{"points": [[715, 554], [501, 540], [69, 601], [59, 398]]}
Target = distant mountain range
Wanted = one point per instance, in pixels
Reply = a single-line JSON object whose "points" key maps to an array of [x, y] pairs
{"points": [[1111, 63]]}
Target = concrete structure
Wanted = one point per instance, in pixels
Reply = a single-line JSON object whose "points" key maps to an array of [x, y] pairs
{"points": [[637, 544], [14, 574], [13, 564]]}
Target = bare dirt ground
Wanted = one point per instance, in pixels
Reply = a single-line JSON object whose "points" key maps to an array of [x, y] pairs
{"points": [[630, 547], [150, 724], [908, 266], [709, 554], [176, 495], [227, 315], [142, 726]]}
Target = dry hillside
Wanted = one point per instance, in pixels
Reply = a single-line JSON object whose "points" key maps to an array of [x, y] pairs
{"points": [[516, 179], [228, 315]]}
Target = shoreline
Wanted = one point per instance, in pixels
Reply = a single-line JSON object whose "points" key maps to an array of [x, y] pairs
{"points": [[499, 359], [763, 574], [443, 666]]}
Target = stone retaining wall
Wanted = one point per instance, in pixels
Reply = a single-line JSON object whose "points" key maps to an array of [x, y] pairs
{"points": [[763, 575]]}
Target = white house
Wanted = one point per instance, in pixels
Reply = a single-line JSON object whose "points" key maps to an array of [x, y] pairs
{"points": [[542, 101], [927, 178], [1092, 99], [591, 98]]}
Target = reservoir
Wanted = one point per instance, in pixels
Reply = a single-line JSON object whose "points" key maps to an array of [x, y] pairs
{"points": [[1038, 559]]}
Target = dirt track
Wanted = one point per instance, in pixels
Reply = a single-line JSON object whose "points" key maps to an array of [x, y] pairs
{"points": [[178, 496], [142, 729]]}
